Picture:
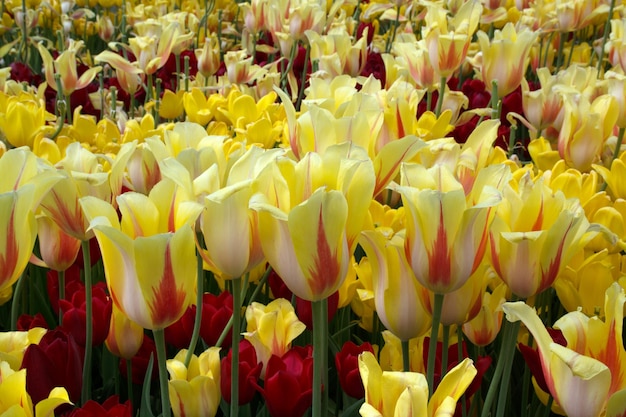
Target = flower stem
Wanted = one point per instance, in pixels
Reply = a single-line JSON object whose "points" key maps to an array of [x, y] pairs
{"points": [[159, 341], [320, 348], [16, 296], [432, 346], [442, 90], [444, 351], [86, 393], [406, 358], [495, 101], [199, 301], [508, 353], [234, 369], [605, 36]]}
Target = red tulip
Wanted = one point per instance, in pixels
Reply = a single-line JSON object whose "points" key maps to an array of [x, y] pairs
{"points": [[75, 316], [57, 361], [110, 408], [27, 322], [288, 388], [249, 372], [347, 362]]}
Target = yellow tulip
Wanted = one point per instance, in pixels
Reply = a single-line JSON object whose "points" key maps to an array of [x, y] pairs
{"points": [[65, 66], [58, 249], [195, 390], [504, 58], [446, 236], [310, 215], [396, 291], [125, 336], [272, 328], [17, 402], [534, 235], [230, 230], [208, 57], [171, 104], [612, 176], [22, 121], [149, 257], [585, 129], [394, 394], [14, 344], [483, 329], [567, 373]]}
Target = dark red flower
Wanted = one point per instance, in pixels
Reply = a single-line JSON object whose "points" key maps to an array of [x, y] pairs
{"points": [[57, 361], [73, 284], [110, 408], [75, 314], [305, 313], [27, 322], [249, 372], [374, 65], [139, 362], [347, 363], [216, 311], [288, 383]]}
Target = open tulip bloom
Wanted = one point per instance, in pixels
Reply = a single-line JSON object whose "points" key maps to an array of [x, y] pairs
{"points": [[292, 208]]}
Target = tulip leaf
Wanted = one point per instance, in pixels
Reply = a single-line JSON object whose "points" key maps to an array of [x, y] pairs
{"points": [[146, 408], [353, 410]]}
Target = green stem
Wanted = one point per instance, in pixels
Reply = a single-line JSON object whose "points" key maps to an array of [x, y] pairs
{"points": [[495, 101], [307, 54], [69, 109], [508, 354], [61, 276], [86, 393], [159, 341], [442, 91], [548, 408], [392, 36], [444, 351], [177, 85], [320, 348], [234, 375], [559, 58], [16, 296], [512, 132], [198, 320], [605, 36], [292, 58], [406, 357], [432, 346]]}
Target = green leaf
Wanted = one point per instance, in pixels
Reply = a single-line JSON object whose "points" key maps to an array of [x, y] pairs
{"points": [[146, 408]]}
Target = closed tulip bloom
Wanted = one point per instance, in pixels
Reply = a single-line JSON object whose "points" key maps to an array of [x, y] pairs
{"points": [[230, 230], [58, 249], [125, 336], [308, 231], [195, 390], [22, 121], [535, 235], [504, 58], [396, 291], [446, 236], [149, 257], [483, 329]]}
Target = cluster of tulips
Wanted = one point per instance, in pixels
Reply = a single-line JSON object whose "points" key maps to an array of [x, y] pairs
{"points": [[303, 207]]}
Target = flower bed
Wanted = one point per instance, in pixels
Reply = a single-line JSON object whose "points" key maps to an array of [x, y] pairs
{"points": [[294, 208]]}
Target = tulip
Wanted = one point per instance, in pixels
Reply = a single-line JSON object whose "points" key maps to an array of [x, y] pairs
{"points": [[504, 58], [346, 362], [56, 361], [74, 315], [272, 328], [58, 249], [139, 363], [22, 121], [568, 374], [389, 394], [110, 408], [194, 390], [16, 399], [446, 236], [287, 384], [483, 329], [535, 235], [65, 66], [13, 345], [249, 373], [153, 291], [125, 337], [396, 291]]}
